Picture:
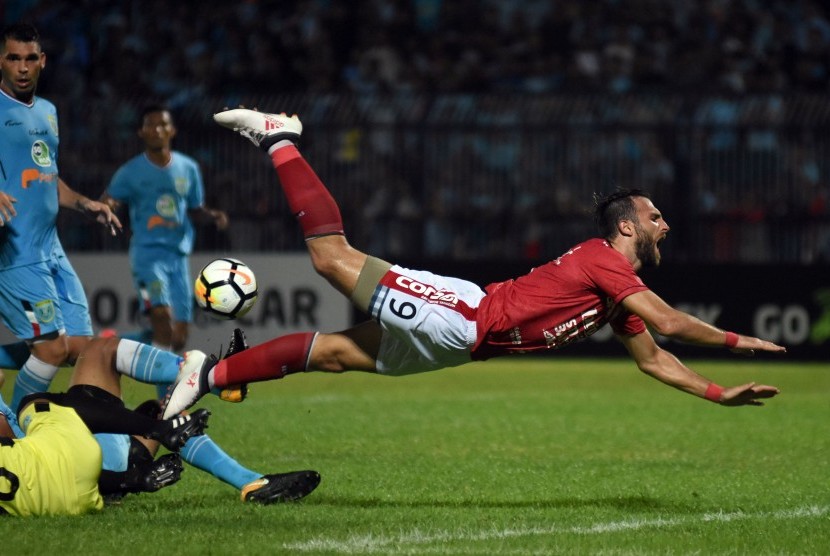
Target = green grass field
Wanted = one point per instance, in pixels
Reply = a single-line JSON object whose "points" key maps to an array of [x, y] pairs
{"points": [[539, 456]]}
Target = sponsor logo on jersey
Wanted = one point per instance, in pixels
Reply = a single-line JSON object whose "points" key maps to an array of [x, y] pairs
{"points": [[40, 153], [166, 217], [427, 292], [156, 221], [33, 174], [166, 206], [576, 328]]}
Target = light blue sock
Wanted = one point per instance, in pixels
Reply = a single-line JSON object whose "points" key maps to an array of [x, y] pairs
{"points": [[162, 388], [14, 356], [34, 376], [204, 453], [146, 363], [144, 336], [11, 418]]}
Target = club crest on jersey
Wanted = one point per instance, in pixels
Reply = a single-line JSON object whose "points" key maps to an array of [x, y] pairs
{"points": [[44, 311], [40, 153], [53, 123], [182, 185]]}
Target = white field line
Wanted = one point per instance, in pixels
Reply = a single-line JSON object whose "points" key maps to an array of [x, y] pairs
{"points": [[407, 541]]}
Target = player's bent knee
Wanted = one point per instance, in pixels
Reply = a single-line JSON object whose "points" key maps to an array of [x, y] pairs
{"points": [[326, 266], [53, 351], [341, 352]]}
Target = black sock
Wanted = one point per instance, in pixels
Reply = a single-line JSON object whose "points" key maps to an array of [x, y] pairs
{"points": [[103, 412]]}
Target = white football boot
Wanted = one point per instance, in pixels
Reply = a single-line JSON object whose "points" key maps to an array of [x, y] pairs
{"points": [[260, 128], [191, 383]]}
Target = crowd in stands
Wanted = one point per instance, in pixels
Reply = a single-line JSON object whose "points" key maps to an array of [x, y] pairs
{"points": [[730, 52], [170, 49]]}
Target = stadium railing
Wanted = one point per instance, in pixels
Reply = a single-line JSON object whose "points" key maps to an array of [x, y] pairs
{"points": [[499, 177]]}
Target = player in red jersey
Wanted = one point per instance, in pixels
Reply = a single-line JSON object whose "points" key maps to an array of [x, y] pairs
{"points": [[424, 322]]}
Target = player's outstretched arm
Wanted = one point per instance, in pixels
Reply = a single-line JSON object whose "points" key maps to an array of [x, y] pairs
{"points": [[748, 394], [101, 212], [218, 218], [668, 369], [668, 321], [748, 345]]}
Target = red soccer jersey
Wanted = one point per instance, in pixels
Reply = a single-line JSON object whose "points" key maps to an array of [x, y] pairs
{"points": [[564, 300]]}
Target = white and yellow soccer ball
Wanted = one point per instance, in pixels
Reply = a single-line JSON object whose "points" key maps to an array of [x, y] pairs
{"points": [[226, 288]]}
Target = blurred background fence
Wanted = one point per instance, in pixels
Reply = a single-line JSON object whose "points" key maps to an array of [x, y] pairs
{"points": [[741, 179]]}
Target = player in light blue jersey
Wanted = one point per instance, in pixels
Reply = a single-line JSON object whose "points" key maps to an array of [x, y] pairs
{"points": [[163, 190], [41, 298]]}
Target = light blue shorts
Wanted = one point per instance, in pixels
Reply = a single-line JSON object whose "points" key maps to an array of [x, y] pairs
{"points": [[162, 279], [115, 449], [42, 298]]}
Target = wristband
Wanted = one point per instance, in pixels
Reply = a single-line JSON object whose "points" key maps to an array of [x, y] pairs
{"points": [[731, 340], [713, 392]]}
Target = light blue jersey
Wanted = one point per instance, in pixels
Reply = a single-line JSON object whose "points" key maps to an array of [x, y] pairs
{"points": [[158, 200], [40, 292], [29, 172]]}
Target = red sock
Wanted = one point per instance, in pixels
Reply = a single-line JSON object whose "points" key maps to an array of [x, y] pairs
{"points": [[271, 360], [309, 200]]}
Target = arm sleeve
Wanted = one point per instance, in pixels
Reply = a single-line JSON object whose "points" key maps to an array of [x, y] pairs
{"points": [[627, 324], [119, 187], [616, 278], [196, 195]]}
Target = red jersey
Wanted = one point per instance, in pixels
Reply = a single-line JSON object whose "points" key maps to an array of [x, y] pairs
{"points": [[564, 300]]}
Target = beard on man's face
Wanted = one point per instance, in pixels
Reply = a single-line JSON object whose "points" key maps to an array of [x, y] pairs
{"points": [[646, 249]]}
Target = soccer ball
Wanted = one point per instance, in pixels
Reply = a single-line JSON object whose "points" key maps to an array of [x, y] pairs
{"points": [[226, 289]]}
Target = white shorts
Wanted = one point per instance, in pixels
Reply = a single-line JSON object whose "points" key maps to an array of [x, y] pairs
{"points": [[428, 321]]}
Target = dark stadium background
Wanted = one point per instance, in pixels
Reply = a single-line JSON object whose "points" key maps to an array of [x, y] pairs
{"points": [[468, 137]]}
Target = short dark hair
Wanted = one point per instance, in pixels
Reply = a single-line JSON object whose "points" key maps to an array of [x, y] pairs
{"points": [[615, 207], [151, 108], [22, 32]]}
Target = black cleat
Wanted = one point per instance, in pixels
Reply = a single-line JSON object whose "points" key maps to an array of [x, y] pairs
{"points": [[182, 428], [235, 393], [238, 343], [163, 472], [281, 487]]}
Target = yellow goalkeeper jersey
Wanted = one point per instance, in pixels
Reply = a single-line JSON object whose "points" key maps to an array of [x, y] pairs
{"points": [[53, 470]]}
